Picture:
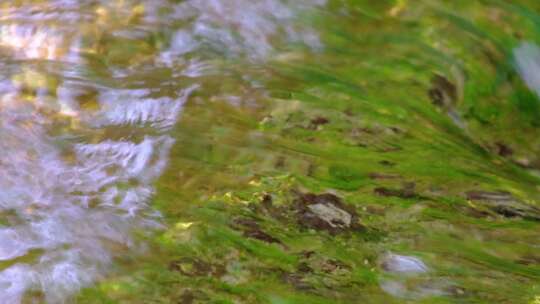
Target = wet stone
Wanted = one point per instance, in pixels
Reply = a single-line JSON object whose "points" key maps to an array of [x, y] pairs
{"points": [[332, 215], [503, 203], [326, 212]]}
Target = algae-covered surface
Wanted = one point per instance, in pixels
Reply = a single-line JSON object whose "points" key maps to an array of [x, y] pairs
{"points": [[272, 151]]}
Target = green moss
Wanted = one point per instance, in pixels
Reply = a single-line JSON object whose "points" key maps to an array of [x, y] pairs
{"points": [[370, 84]]}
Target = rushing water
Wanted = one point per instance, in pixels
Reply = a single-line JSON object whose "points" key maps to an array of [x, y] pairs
{"points": [[91, 92], [83, 143]]}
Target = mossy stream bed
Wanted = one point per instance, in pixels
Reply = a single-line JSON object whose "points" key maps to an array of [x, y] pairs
{"points": [[386, 153]]}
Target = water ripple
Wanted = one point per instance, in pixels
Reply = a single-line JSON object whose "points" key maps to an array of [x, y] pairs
{"points": [[82, 144]]}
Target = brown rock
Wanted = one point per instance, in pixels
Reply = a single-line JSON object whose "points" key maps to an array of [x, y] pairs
{"points": [[326, 212]]}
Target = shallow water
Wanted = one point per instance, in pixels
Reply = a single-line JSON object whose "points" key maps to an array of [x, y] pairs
{"points": [[86, 122], [140, 139]]}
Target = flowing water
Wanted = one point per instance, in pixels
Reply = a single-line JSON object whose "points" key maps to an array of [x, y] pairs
{"points": [[161, 151], [85, 135]]}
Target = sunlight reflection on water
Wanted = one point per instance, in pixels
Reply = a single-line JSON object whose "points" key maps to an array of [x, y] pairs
{"points": [[73, 193]]}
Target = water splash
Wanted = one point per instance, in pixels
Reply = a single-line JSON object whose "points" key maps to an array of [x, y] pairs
{"points": [[72, 210]]}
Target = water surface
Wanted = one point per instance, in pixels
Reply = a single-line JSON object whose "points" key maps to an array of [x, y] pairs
{"points": [[161, 151]]}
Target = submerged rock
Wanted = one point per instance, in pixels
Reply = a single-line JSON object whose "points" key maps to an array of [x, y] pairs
{"points": [[326, 212], [505, 204], [332, 215]]}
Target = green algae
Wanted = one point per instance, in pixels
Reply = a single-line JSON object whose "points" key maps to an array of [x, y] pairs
{"points": [[370, 84]]}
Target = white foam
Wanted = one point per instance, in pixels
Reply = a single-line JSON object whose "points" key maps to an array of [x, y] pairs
{"points": [[132, 107], [32, 42]]}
